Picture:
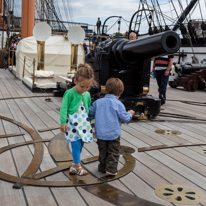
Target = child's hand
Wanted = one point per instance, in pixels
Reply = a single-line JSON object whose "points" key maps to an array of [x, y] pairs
{"points": [[131, 112], [63, 128]]}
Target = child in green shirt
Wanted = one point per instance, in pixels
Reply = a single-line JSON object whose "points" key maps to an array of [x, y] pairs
{"points": [[74, 115]]}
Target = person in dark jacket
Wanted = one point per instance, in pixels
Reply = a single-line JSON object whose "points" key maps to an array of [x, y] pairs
{"points": [[85, 48], [94, 40], [98, 25]]}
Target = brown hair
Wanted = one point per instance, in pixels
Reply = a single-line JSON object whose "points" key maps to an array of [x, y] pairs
{"points": [[114, 86], [84, 71]]}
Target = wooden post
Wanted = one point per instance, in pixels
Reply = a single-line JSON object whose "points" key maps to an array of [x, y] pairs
{"points": [[33, 71], [24, 65], [27, 20]]}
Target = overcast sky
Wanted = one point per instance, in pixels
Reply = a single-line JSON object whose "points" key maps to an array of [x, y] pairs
{"points": [[87, 11]]}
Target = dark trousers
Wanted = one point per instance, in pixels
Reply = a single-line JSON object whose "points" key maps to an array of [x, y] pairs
{"points": [[162, 81], [98, 30], [108, 155]]}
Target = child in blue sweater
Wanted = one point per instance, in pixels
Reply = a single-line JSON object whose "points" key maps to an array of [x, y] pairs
{"points": [[108, 113]]}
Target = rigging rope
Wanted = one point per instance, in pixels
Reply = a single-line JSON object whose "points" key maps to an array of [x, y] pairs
{"points": [[65, 10], [200, 10], [113, 25]]}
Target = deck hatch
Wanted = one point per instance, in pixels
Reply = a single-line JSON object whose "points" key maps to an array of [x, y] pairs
{"points": [[202, 150], [179, 194], [167, 132]]}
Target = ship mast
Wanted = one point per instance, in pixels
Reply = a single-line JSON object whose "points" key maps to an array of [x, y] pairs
{"points": [[27, 24]]}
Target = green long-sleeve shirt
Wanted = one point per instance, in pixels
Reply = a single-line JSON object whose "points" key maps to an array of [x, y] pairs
{"points": [[71, 101]]}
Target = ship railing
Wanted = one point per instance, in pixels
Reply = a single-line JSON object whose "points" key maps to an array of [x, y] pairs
{"points": [[32, 65]]}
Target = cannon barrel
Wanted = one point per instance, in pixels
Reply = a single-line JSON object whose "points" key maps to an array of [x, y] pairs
{"points": [[189, 68], [126, 52]]}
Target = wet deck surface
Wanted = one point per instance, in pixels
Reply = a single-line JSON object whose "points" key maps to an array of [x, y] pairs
{"points": [[181, 165]]}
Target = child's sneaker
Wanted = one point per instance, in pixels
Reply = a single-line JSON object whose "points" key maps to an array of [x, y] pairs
{"points": [[109, 173]]}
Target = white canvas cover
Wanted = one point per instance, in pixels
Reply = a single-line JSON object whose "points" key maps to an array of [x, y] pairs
{"points": [[57, 55]]}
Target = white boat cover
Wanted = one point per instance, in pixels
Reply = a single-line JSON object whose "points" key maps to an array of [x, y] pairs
{"points": [[57, 55]]}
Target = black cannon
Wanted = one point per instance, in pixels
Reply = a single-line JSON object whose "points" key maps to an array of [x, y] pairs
{"points": [[189, 76], [130, 60]]}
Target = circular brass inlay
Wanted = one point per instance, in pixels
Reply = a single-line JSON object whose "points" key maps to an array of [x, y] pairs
{"points": [[167, 132], [179, 194], [126, 150], [202, 151]]}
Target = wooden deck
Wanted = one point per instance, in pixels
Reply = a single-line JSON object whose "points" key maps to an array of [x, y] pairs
{"points": [[183, 165]]}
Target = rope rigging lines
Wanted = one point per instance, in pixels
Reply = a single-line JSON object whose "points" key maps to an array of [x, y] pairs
{"points": [[54, 12]]}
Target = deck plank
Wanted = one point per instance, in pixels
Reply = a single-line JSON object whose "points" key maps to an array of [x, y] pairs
{"points": [[14, 85], [9, 87], [4, 91]]}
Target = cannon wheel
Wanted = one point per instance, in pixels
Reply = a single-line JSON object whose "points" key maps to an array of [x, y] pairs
{"points": [[171, 83], [192, 85]]}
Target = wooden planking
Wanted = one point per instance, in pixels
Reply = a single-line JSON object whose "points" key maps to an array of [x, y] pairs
{"points": [[160, 168], [27, 91], [14, 85], [128, 180], [149, 171], [9, 87], [40, 113], [47, 162], [185, 109], [188, 151], [185, 159], [152, 134], [90, 150], [22, 157], [183, 170], [178, 93], [91, 199], [4, 91], [9, 196], [1, 95]]}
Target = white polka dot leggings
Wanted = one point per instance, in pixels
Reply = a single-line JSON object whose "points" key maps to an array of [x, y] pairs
{"points": [[76, 150]]}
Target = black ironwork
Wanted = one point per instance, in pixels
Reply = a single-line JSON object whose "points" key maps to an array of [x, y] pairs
{"points": [[130, 61]]}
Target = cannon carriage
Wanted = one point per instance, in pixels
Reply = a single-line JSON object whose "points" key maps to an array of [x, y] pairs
{"points": [[189, 76]]}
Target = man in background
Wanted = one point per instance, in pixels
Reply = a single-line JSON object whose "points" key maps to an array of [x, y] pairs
{"points": [[98, 26], [94, 40], [132, 36], [161, 67]]}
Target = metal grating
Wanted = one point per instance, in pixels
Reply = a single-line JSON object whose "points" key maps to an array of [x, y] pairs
{"points": [[179, 194]]}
